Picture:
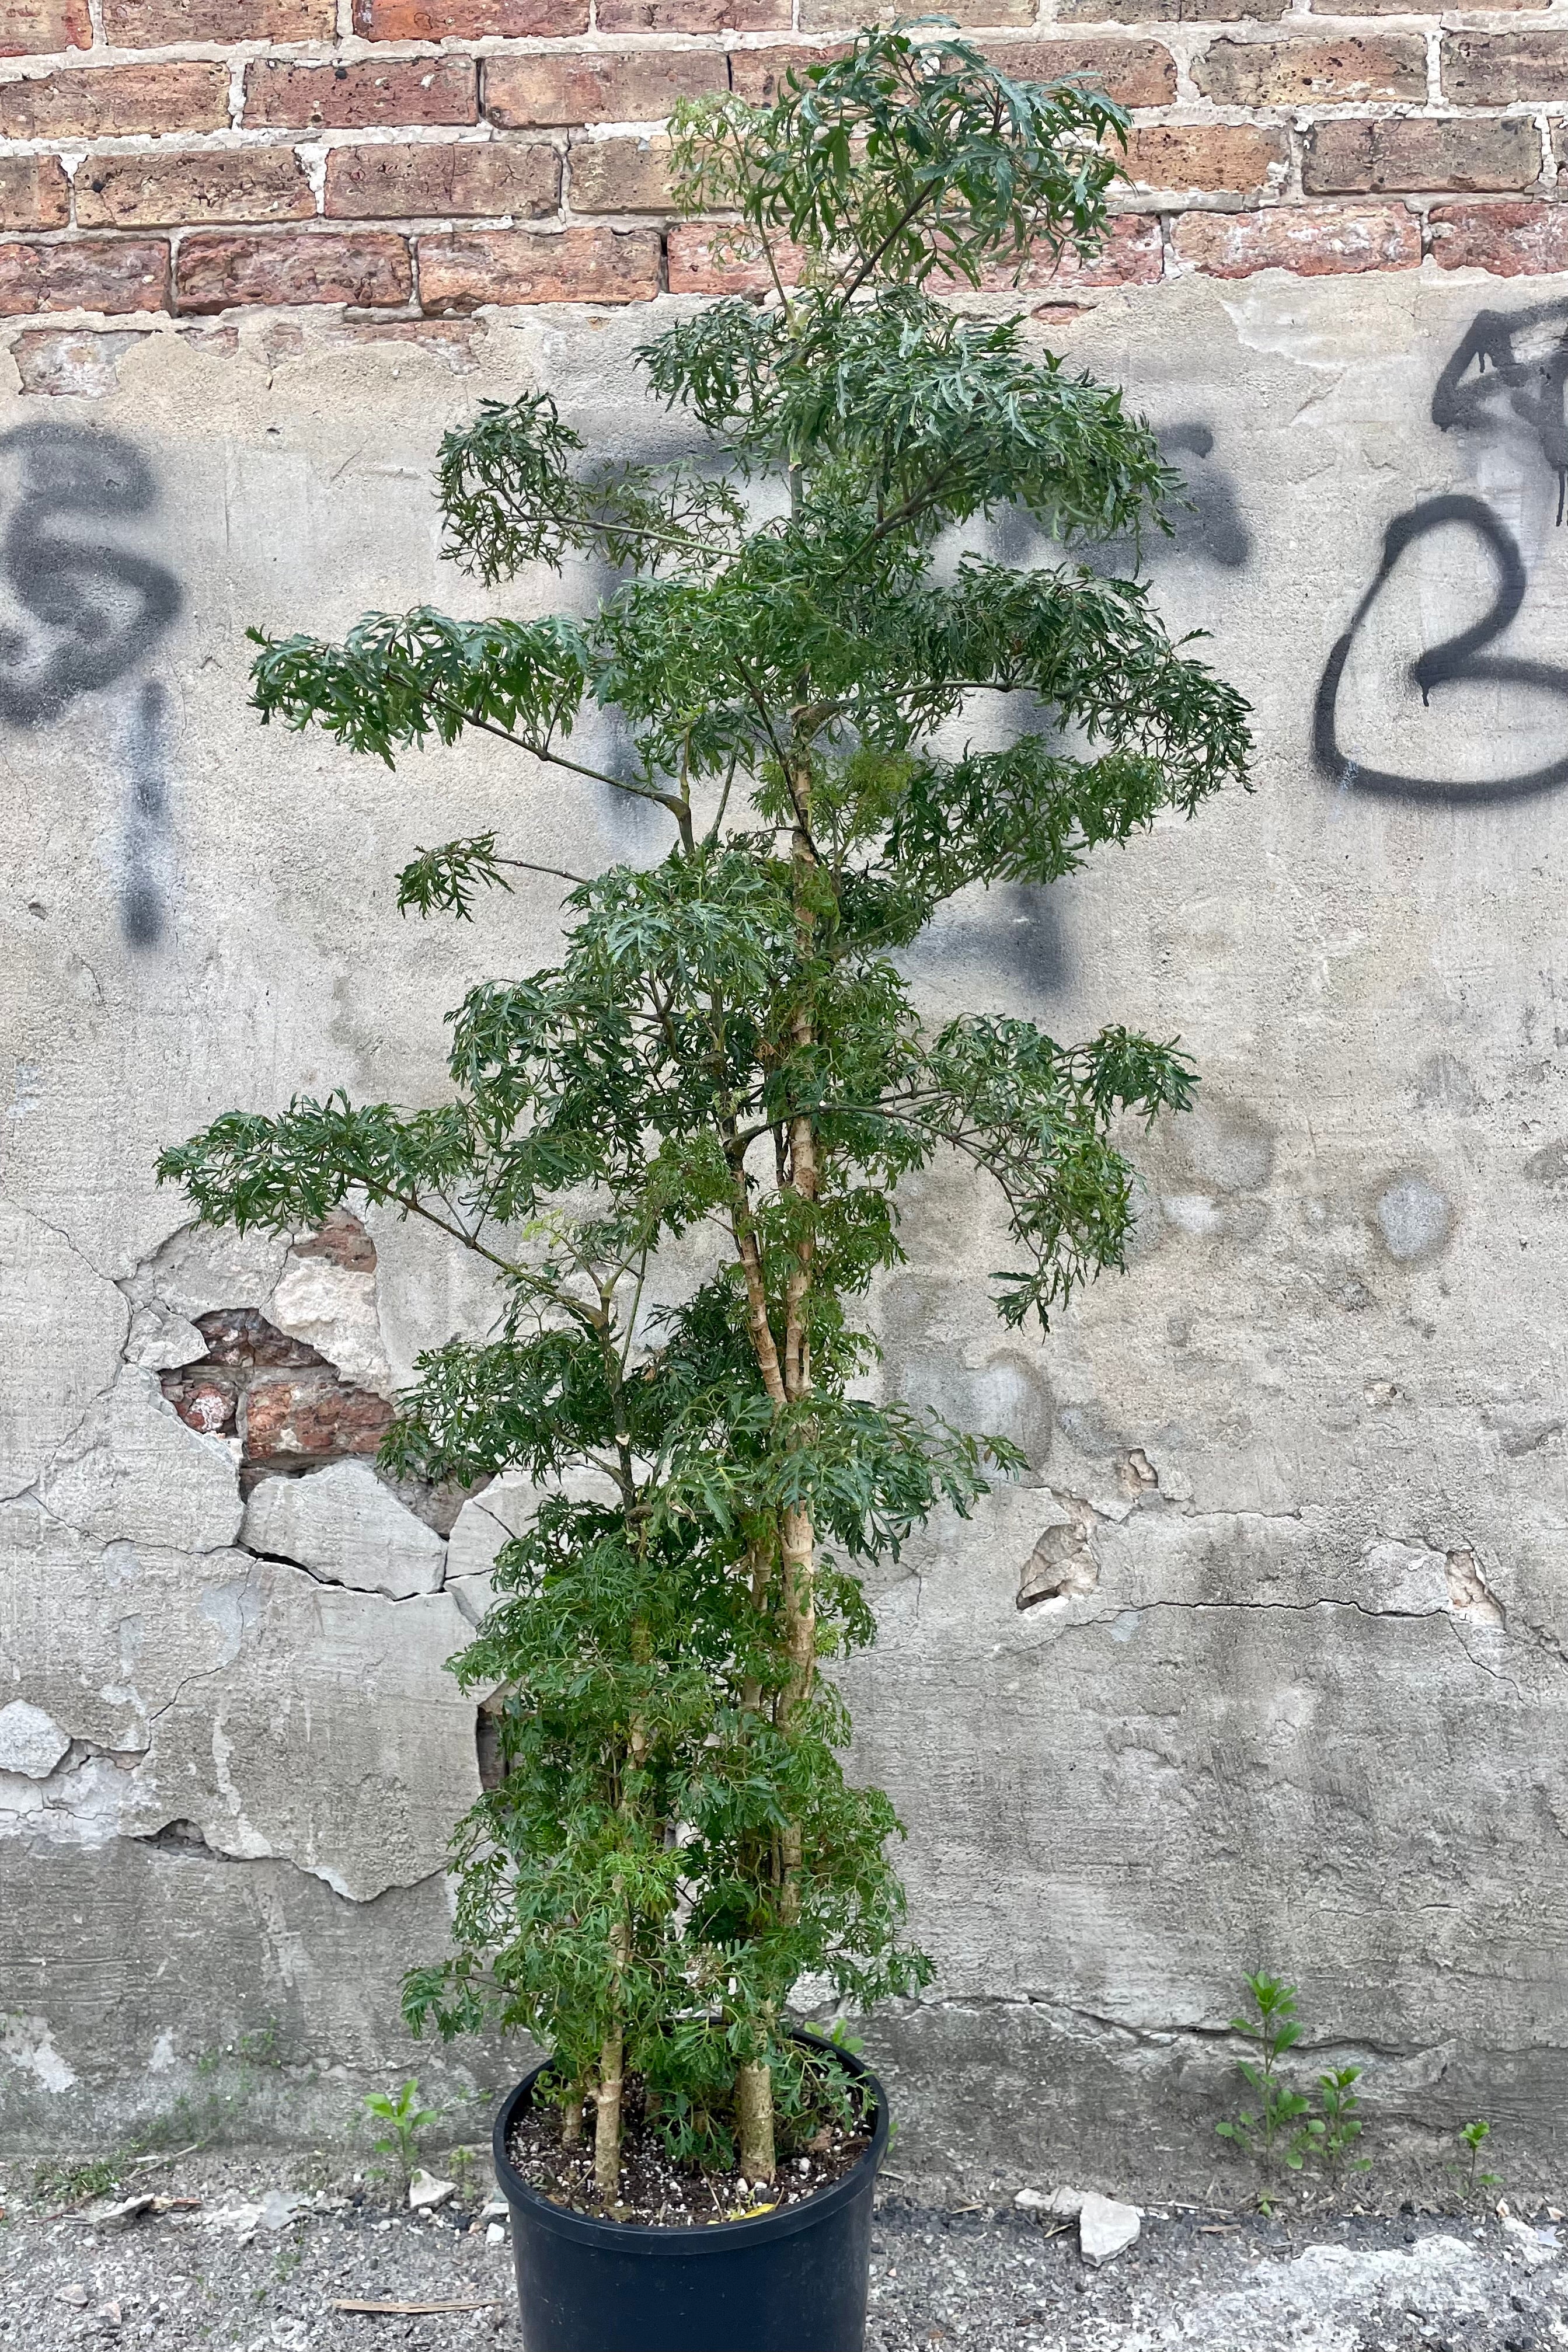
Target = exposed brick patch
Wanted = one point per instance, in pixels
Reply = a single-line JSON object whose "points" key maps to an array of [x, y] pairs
{"points": [[1518, 240], [758, 74], [1313, 240], [619, 175], [340, 1235], [1350, 70], [468, 20], [846, 17], [1134, 73], [1382, 157], [1133, 255], [429, 182], [1168, 12], [115, 101], [156, 24], [700, 263], [1233, 157], [41, 28], [286, 1403], [694, 15], [99, 273], [77, 363], [458, 274], [1504, 68], [255, 183], [635, 86], [403, 90], [33, 191], [363, 266]]}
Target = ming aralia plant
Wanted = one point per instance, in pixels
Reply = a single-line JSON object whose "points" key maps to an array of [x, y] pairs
{"points": [[680, 1146]]}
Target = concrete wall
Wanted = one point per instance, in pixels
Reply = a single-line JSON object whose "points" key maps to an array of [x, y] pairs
{"points": [[1287, 1687]]}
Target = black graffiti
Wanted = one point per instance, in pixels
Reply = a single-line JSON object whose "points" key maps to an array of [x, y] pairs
{"points": [[96, 608], [1531, 387], [147, 824]]}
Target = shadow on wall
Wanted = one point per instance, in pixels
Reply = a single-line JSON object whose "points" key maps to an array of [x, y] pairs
{"points": [[79, 613]]}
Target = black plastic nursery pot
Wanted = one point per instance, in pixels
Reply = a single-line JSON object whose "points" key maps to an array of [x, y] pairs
{"points": [[794, 2281]]}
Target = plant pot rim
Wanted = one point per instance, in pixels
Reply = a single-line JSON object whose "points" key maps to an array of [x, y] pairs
{"points": [[690, 2238]]}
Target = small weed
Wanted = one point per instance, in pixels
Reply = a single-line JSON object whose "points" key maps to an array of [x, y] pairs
{"points": [[1473, 2181], [1273, 2132], [404, 2119], [75, 2184], [1334, 2130]]}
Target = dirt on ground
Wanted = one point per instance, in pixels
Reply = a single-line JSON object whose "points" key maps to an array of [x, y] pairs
{"points": [[262, 2253]]}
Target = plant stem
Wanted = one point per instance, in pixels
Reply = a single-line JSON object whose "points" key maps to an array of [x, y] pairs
{"points": [[755, 2112], [608, 2116]]}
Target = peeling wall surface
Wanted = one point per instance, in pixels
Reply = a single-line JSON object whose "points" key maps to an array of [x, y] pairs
{"points": [[1262, 1664]]}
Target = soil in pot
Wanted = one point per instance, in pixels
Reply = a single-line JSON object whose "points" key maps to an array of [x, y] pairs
{"points": [[817, 2149]]}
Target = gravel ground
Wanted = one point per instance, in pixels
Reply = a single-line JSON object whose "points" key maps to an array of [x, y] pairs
{"points": [[260, 2260]]}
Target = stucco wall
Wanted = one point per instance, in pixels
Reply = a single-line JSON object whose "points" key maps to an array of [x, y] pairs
{"points": [[1289, 1690]]}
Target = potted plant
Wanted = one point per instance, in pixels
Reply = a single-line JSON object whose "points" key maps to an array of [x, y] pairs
{"points": [[680, 1147]]}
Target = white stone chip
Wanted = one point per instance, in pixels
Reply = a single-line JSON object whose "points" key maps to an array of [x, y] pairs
{"points": [[495, 2235], [31, 1742], [1106, 2228], [343, 1523], [426, 2192]]}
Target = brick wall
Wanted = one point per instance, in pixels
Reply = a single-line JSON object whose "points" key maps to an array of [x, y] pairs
{"points": [[407, 155]]}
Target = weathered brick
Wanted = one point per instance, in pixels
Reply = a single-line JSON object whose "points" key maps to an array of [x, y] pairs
{"points": [[1511, 240], [73, 362], [1134, 73], [1133, 255], [758, 75], [468, 20], [1402, 7], [702, 262], [694, 15], [1313, 240], [619, 175], [436, 183], [1504, 68], [1361, 158], [1168, 12], [33, 191], [151, 24], [845, 15], [99, 273], [313, 1416], [41, 28], [460, 273], [252, 183], [1350, 69], [1210, 155], [284, 96], [631, 86], [222, 273], [115, 101]]}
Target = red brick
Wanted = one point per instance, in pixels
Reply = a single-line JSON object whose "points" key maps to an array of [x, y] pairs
{"points": [[115, 101], [758, 75], [1517, 240], [584, 86], [436, 183], [1314, 240], [283, 95], [1504, 68], [33, 191], [694, 15], [847, 15], [151, 24], [1133, 255], [315, 1416], [468, 20], [99, 273], [459, 273], [1361, 158], [252, 183], [1297, 71], [619, 175], [42, 28], [1210, 155], [222, 273], [1171, 11], [699, 262], [1134, 73]]}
